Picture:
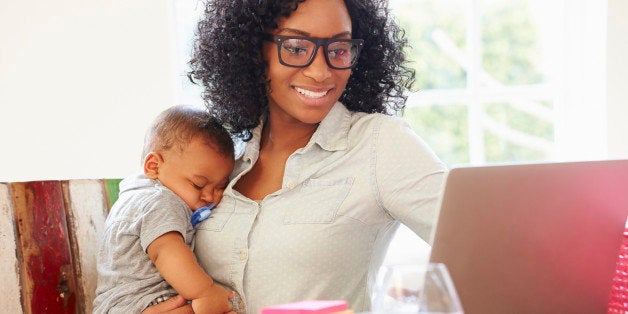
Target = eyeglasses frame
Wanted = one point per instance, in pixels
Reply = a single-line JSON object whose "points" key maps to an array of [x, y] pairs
{"points": [[325, 42]]}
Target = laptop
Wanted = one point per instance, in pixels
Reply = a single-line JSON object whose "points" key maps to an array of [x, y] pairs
{"points": [[533, 238]]}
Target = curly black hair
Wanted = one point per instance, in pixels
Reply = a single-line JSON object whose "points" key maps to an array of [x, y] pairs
{"points": [[227, 59]]}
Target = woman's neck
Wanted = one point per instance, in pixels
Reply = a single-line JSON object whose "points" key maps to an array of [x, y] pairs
{"points": [[281, 135]]}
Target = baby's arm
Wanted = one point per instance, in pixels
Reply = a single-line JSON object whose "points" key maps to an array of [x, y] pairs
{"points": [[177, 264]]}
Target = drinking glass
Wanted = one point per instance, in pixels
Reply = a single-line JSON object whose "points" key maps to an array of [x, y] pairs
{"points": [[415, 289]]}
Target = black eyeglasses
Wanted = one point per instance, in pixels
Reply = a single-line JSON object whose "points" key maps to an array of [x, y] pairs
{"points": [[299, 51]]}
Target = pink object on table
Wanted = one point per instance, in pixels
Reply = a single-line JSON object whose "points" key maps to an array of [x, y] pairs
{"points": [[307, 307], [618, 302]]}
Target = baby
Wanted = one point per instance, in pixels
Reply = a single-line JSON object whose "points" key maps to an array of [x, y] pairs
{"points": [[145, 254]]}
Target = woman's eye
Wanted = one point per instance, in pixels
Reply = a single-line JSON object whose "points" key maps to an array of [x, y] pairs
{"points": [[338, 53], [295, 50]]}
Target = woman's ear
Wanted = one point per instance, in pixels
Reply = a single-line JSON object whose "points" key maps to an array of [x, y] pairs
{"points": [[151, 164]]}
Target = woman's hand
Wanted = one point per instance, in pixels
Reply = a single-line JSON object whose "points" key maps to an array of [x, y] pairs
{"points": [[178, 305], [174, 305]]}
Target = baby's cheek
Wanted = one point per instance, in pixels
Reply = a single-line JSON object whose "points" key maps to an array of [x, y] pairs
{"points": [[218, 197]]}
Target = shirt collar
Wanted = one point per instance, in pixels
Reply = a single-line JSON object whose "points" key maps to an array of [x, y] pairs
{"points": [[333, 132]]}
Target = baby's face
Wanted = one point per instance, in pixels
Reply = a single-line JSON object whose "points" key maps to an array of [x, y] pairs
{"points": [[198, 173]]}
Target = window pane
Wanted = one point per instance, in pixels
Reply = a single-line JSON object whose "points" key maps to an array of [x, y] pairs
{"points": [[436, 30], [516, 136], [511, 52], [444, 128]]}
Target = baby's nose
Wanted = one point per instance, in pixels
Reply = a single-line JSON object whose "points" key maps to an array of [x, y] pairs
{"points": [[207, 195]]}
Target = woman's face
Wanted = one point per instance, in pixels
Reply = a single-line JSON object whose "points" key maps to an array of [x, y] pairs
{"points": [[305, 95]]}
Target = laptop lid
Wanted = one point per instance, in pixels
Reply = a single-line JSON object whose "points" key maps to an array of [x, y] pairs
{"points": [[533, 238]]}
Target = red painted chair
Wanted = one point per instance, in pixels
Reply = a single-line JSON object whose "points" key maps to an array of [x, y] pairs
{"points": [[49, 232]]}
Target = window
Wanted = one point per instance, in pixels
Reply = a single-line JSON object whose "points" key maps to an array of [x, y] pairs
{"points": [[506, 81]]}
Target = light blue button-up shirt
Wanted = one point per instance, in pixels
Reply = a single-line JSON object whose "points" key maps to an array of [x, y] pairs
{"points": [[324, 234]]}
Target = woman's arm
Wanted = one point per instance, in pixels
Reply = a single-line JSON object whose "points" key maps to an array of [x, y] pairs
{"points": [[177, 264], [410, 177]]}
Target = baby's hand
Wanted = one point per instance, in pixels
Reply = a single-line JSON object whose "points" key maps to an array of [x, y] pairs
{"points": [[215, 301]]}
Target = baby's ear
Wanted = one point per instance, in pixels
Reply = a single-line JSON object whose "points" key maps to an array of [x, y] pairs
{"points": [[151, 165]]}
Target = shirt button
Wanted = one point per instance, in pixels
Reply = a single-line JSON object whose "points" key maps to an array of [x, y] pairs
{"points": [[291, 185], [242, 255]]}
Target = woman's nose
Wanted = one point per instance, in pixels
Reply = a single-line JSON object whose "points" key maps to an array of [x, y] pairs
{"points": [[318, 70]]}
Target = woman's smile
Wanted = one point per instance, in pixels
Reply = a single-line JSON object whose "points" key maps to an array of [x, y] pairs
{"points": [[311, 93]]}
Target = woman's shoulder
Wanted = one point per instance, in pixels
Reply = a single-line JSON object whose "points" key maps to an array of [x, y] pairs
{"points": [[383, 124], [391, 137]]}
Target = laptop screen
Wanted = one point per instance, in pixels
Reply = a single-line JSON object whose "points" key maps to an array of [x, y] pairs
{"points": [[533, 238]]}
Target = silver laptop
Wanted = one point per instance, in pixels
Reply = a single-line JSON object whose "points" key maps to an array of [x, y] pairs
{"points": [[533, 238]]}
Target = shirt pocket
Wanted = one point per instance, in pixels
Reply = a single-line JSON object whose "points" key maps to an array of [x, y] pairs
{"points": [[318, 201], [220, 215]]}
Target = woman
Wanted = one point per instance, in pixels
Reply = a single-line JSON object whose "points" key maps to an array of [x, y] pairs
{"points": [[325, 176]]}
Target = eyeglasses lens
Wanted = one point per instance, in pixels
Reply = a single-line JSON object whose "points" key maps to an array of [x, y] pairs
{"points": [[299, 52]]}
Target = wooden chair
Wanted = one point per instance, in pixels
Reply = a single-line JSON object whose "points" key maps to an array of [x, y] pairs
{"points": [[49, 233]]}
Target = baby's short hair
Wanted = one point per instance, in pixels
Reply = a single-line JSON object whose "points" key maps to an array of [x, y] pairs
{"points": [[178, 125]]}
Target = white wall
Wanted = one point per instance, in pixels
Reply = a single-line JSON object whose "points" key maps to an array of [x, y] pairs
{"points": [[617, 78], [75, 79]]}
